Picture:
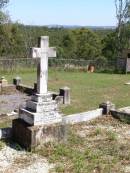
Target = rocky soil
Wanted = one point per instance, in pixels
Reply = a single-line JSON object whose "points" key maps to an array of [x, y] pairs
{"points": [[13, 160]]}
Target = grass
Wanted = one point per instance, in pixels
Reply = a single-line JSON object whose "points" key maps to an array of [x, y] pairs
{"points": [[101, 151], [100, 146], [87, 90]]}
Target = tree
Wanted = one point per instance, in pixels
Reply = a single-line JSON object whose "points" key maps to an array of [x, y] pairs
{"points": [[88, 44], [109, 46], [123, 16], [69, 45]]}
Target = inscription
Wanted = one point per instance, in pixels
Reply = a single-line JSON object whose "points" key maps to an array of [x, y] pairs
{"points": [[52, 117]]}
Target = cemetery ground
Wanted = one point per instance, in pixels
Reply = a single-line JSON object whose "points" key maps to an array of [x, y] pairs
{"points": [[88, 90], [99, 146]]}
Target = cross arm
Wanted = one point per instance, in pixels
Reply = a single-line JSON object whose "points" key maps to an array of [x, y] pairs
{"points": [[52, 52], [36, 52]]}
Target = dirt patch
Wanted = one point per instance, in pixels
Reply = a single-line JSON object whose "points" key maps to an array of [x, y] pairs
{"points": [[11, 102]]}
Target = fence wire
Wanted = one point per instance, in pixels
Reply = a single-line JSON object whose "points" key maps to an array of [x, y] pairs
{"points": [[12, 65]]}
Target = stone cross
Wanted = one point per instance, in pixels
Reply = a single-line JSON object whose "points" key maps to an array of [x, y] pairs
{"points": [[43, 52]]}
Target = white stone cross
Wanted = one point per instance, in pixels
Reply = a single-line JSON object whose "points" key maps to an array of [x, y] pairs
{"points": [[43, 52]]}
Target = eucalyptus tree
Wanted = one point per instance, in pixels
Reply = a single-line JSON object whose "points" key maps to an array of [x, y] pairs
{"points": [[123, 20]]}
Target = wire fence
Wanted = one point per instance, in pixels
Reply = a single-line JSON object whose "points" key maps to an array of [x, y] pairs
{"points": [[21, 64]]}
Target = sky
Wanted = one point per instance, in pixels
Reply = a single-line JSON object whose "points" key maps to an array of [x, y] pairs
{"points": [[63, 12]]}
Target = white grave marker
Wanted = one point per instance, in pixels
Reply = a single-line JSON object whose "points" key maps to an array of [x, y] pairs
{"points": [[41, 109], [43, 53]]}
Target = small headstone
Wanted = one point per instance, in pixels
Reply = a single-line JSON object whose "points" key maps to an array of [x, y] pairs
{"points": [[17, 81], [65, 92], [107, 106], [3, 82]]}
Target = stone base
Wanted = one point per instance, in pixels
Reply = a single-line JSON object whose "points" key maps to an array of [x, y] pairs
{"points": [[44, 118], [31, 136], [40, 110], [41, 106]]}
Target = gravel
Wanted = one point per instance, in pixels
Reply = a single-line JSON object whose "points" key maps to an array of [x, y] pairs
{"points": [[14, 161]]}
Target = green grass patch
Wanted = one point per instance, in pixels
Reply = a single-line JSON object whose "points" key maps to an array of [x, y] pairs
{"points": [[87, 90]]}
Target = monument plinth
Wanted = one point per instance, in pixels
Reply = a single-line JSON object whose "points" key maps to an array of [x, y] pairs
{"points": [[41, 110]]}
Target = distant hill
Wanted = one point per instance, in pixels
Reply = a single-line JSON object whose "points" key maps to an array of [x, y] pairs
{"points": [[79, 26]]}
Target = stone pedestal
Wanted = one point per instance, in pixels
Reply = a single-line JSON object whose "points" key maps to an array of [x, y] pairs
{"points": [[65, 92], [40, 110], [31, 136], [39, 122]]}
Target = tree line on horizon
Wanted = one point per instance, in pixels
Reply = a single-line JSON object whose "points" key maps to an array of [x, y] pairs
{"points": [[81, 43]]}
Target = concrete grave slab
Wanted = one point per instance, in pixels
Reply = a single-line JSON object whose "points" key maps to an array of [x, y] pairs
{"points": [[122, 114], [128, 83]]}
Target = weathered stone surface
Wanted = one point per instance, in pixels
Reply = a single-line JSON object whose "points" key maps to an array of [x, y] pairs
{"points": [[44, 118], [125, 110], [41, 110], [43, 52], [42, 97], [59, 99], [121, 115], [82, 117], [32, 136], [5, 133], [107, 106], [65, 92], [41, 106], [17, 81]]}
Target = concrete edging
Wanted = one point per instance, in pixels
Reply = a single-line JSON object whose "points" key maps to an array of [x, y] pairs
{"points": [[82, 117], [70, 119]]}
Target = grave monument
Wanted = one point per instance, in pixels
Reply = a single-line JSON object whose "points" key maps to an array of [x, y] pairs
{"points": [[40, 121]]}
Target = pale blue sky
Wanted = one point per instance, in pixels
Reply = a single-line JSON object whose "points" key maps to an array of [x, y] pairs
{"points": [[63, 12]]}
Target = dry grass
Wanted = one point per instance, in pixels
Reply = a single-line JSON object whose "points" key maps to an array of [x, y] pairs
{"points": [[100, 146]]}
